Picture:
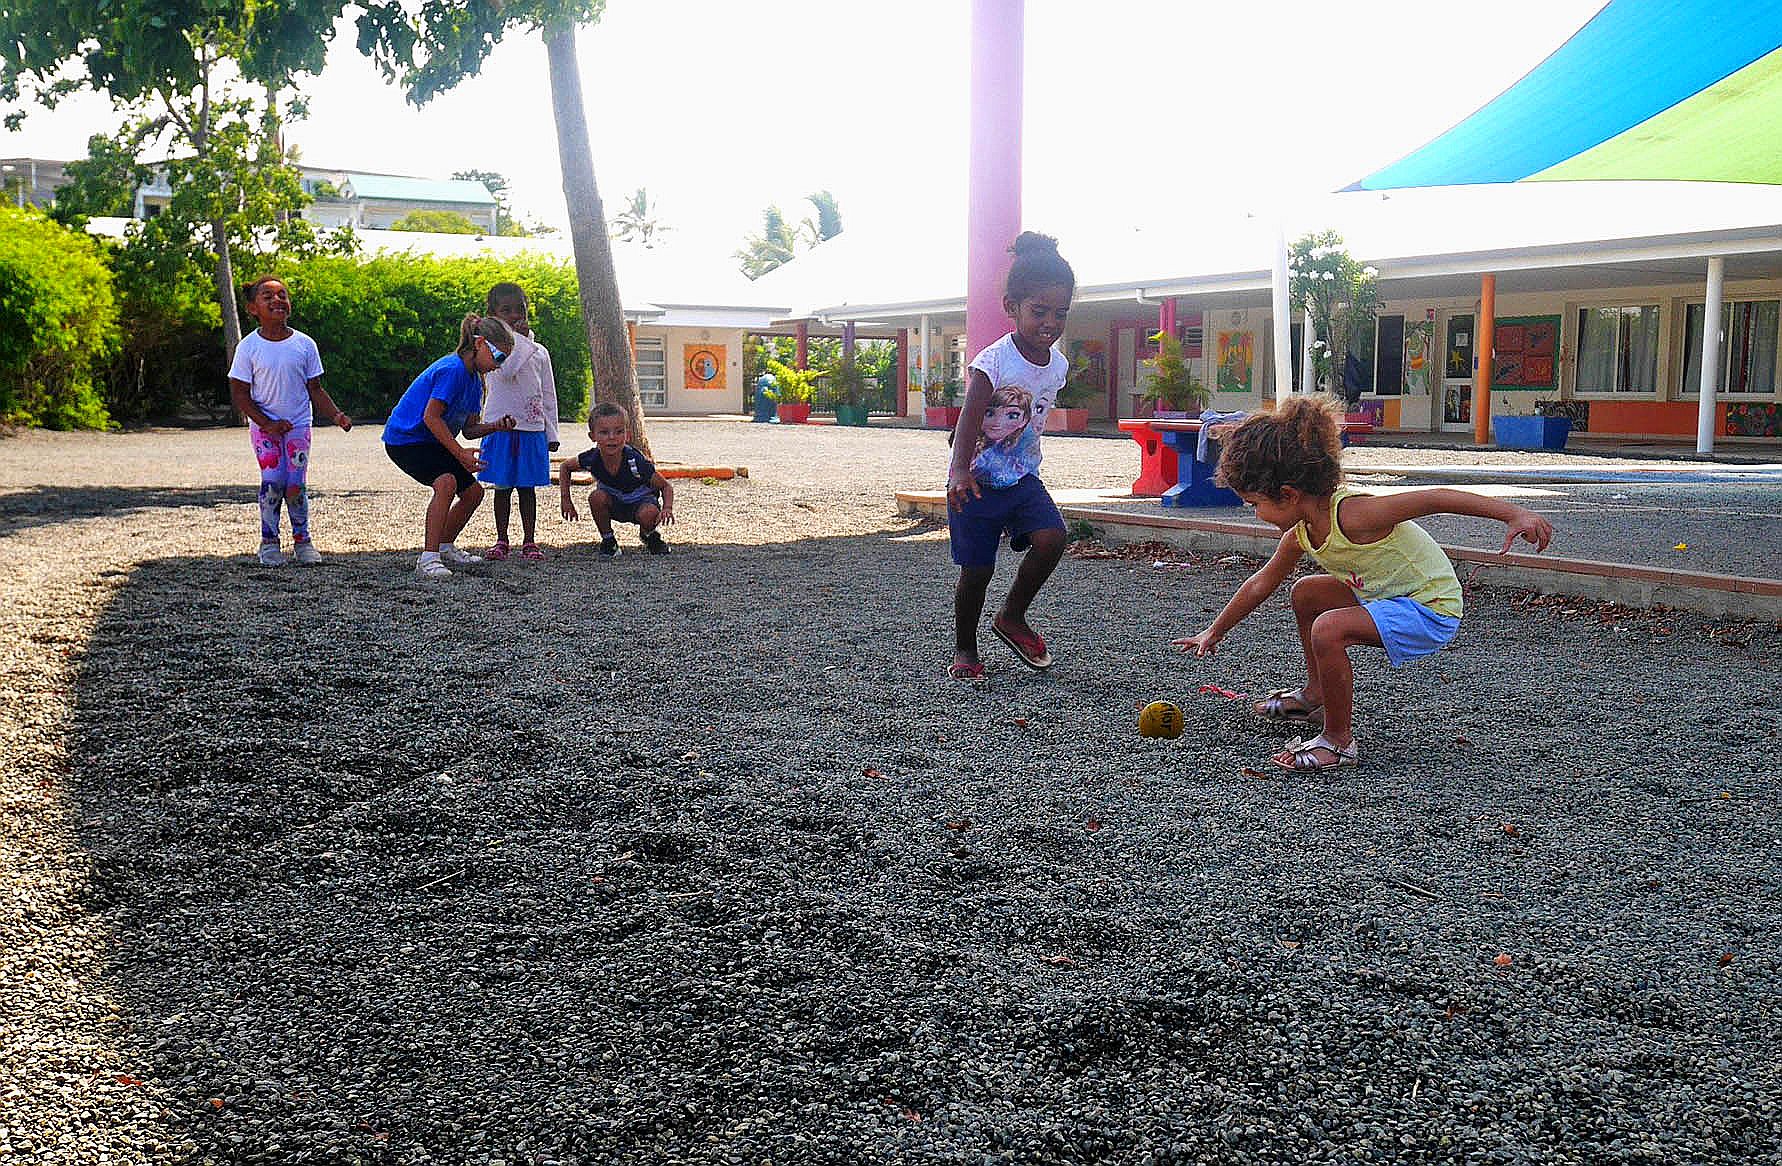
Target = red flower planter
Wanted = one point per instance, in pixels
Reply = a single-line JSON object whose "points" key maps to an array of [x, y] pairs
{"points": [[940, 416], [795, 414]]}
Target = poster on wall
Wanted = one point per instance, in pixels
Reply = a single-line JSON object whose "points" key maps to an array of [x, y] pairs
{"points": [[1524, 353], [705, 366], [1235, 361]]}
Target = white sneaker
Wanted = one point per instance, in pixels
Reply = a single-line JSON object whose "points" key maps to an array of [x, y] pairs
{"points": [[271, 556], [458, 558], [305, 554], [432, 570]]}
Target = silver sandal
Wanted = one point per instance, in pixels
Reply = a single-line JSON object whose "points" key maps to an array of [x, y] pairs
{"points": [[1274, 707], [1305, 755]]}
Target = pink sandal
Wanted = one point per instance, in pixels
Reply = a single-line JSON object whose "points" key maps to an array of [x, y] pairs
{"points": [[496, 553], [531, 553], [1024, 643]]}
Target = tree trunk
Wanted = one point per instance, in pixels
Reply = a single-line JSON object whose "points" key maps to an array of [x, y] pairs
{"points": [[219, 231], [602, 312], [219, 239]]}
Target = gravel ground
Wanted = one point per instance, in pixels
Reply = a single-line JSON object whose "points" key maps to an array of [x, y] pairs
{"points": [[697, 860]]}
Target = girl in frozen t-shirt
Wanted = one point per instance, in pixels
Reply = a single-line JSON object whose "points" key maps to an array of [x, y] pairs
{"points": [[993, 483]]}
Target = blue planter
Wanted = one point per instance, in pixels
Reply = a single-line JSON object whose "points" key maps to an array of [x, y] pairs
{"points": [[1531, 432]]}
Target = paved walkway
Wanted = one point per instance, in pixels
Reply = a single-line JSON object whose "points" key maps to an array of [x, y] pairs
{"points": [[1691, 540]]}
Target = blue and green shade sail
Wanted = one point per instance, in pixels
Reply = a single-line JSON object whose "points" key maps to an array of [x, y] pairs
{"points": [[1686, 90]]}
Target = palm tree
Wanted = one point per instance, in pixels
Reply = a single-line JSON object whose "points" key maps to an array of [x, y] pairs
{"points": [[776, 244], [615, 379], [638, 220], [828, 223]]}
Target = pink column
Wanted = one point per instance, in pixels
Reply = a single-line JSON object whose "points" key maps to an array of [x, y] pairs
{"points": [[993, 214], [1166, 317], [803, 334]]}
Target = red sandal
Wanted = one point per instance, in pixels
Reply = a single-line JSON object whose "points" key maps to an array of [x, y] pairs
{"points": [[1023, 642]]}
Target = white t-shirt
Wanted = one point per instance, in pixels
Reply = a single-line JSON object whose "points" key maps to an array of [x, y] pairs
{"points": [[278, 373], [1021, 395]]}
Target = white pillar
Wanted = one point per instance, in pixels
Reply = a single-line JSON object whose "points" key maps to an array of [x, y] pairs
{"points": [[1307, 366], [1704, 421], [1283, 313], [922, 353]]}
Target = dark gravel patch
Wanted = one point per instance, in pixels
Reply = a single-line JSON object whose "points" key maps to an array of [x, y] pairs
{"points": [[698, 860], [379, 884]]}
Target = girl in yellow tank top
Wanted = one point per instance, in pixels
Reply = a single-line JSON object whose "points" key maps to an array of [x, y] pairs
{"points": [[1389, 583]]}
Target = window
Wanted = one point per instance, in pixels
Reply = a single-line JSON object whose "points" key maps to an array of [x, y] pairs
{"points": [[1618, 350], [1747, 347], [1380, 366], [652, 372]]}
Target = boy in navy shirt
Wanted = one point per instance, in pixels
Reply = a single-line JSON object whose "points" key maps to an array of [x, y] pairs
{"points": [[627, 485]]}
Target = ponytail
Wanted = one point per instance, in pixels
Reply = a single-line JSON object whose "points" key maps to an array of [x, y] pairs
{"points": [[488, 327]]}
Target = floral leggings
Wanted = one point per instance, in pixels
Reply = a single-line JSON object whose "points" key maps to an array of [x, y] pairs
{"points": [[284, 474]]}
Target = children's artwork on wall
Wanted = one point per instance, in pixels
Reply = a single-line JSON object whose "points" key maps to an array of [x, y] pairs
{"points": [[1418, 363], [1374, 411], [1754, 419], [1523, 353], [1236, 363], [705, 366]]}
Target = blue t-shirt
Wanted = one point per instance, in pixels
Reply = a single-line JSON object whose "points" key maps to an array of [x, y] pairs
{"points": [[631, 483], [446, 379]]}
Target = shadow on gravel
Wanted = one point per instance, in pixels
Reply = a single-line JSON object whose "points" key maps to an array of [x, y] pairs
{"points": [[49, 505], [698, 860]]}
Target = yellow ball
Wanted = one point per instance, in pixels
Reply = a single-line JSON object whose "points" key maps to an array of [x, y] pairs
{"points": [[1160, 718]]}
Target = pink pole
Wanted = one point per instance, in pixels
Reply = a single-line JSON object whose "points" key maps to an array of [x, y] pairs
{"points": [[1166, 317], [993, 215]]}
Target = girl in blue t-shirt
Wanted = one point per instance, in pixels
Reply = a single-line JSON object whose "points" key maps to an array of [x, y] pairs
{"points": [[421, 437]]}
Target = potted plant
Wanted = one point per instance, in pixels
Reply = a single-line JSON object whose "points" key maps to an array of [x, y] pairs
{"points": [[940, 401], [1549, 428], [1070, 413], [1173, 390], [794, 388], [846, 390]]}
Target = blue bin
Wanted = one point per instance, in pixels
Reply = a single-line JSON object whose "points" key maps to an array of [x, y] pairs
{"points": [[1531, 432]]}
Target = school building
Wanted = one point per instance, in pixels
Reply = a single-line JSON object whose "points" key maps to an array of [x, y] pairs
{"points": [[1599, 294]]}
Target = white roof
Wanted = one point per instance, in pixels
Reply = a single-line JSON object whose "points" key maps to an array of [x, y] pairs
{"points": [[1407, 234]]}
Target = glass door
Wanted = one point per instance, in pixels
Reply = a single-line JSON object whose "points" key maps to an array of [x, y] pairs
{"points": [[1457, 374]]}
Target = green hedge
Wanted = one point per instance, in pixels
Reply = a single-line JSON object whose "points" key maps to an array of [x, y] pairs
{"points": [[380, 321], [58, 324]]}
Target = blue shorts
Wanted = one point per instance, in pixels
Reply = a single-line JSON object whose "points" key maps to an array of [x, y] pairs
{"points": [[1020, 509], [1409, 630], [516, 457]]}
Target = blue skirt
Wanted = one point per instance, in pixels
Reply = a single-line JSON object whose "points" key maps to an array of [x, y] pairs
{"points": [[516, 458]]}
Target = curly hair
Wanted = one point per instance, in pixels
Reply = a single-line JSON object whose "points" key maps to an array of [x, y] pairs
{"points": [[1037, 265], [1296, 445]]}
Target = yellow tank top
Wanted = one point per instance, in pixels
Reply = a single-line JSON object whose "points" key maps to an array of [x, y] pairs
{"points": [[1407, 562]]}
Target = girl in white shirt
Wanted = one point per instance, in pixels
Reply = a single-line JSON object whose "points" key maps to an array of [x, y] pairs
{"points": [[993, 484], [275, 381], [524, 388]]}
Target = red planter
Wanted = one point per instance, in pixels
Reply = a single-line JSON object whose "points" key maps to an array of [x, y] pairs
{"points": [[795, 414], [940, 416], [1065, 420]]}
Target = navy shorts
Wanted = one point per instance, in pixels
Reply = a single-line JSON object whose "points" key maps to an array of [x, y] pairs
{"points": [[1020, 509], [428, 461], [627, 511]]}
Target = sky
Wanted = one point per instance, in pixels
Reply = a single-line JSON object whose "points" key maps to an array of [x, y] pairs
{"points": [[1136, 110]]}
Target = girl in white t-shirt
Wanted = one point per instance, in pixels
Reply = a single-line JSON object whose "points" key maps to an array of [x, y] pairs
{"points": [[275, 381], [524, 388], [993, 483]]}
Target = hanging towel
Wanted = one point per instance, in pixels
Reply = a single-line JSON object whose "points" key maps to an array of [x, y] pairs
{"points": [[1209, 419]]}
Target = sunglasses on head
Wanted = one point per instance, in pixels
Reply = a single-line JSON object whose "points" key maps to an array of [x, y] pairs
{"points": [[499, 356]]}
